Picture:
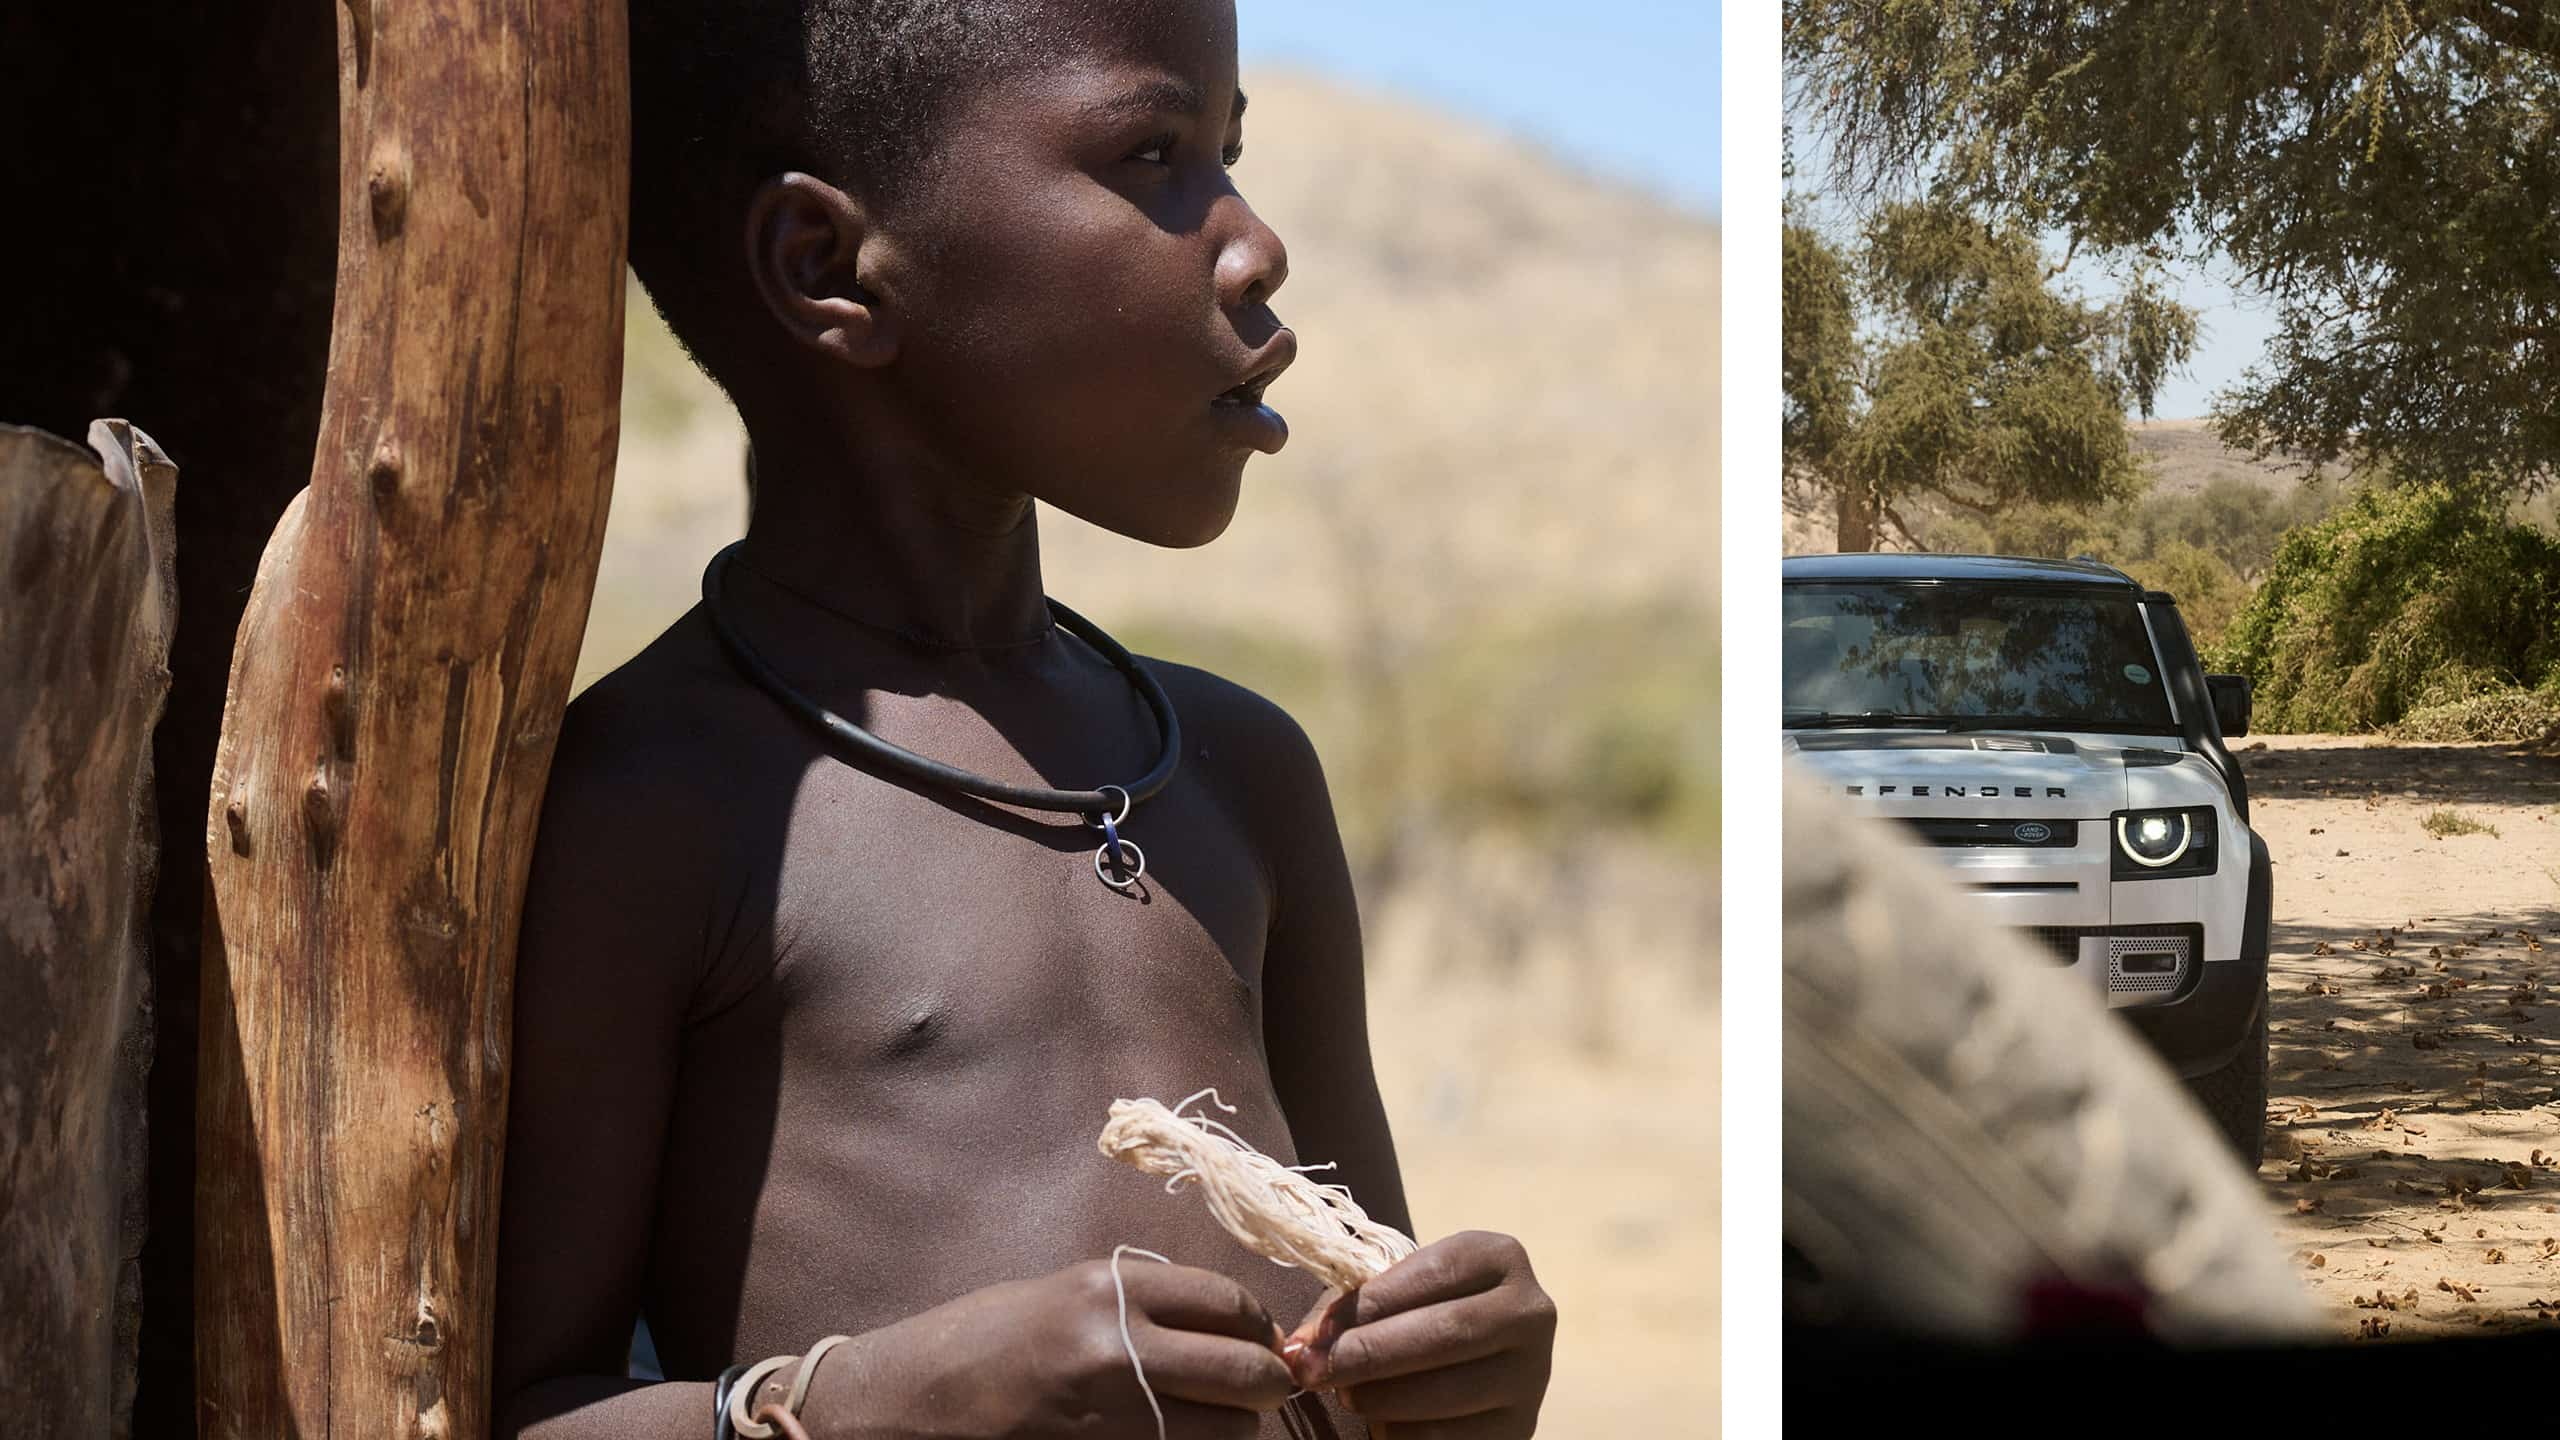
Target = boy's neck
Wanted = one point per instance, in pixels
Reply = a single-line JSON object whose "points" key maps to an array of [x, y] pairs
{"points": [[896, 549]]}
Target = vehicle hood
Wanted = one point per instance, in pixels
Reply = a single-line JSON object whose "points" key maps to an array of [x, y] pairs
{"points": [[1934, 774]]}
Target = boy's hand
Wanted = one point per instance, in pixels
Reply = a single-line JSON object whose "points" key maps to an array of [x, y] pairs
{"points": [[1454, 1341], [1044, 1357]]}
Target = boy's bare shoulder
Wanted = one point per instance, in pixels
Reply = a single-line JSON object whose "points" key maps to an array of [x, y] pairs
{"points": [[1254, 754], [1216, 711], [671, 743], [670, 787]]}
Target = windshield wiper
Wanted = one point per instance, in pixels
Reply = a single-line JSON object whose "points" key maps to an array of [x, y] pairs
{"points": [[1866, 719], [2044, 722]]}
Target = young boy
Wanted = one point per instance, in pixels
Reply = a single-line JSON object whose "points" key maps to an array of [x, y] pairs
{"points": [[811, 1042]]}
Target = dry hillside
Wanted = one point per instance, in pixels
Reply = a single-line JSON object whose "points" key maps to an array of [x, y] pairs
{"points": [[2185, 457]]}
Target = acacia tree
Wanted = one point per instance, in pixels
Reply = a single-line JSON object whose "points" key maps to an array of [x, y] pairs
{"points": [[1941, 358], [2386, 173]]}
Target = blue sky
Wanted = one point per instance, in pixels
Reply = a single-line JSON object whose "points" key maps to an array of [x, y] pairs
{"points": [[2236, 326], [1625, 87]]}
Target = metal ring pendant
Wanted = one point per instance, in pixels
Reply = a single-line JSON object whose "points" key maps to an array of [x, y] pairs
{"points": [[1132, 871], [1116, 851]]}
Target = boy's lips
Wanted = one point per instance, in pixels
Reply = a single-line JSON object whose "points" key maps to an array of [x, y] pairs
{"points": [[1242, 404]]}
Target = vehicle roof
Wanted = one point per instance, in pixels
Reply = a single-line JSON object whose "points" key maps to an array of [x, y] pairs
{"points": [[2011, 568]]}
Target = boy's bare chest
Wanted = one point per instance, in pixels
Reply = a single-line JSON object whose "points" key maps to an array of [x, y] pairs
{"points": [[922, 931], [913, 1090]]}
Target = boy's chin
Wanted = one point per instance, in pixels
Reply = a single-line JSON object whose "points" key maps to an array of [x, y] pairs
{"points": [[1193, 516]]}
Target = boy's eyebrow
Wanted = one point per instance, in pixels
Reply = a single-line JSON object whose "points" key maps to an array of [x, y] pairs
{"points": [[1158, 96]]}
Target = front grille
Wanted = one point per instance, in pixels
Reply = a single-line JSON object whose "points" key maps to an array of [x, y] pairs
{"points": [[2027, 834], [2062, 942], [2149, 979]]}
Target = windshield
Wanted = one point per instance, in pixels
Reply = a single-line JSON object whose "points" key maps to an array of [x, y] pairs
{"points": [[1960, 655]]}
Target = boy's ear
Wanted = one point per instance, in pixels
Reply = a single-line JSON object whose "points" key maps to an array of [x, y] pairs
{"points": [[805, 247]]}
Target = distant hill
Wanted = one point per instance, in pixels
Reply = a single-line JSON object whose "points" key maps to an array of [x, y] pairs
{"points": [[2187, 457]]}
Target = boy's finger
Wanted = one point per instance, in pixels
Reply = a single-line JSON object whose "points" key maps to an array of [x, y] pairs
{"points": [[1431, 1338], [1467, 1263], [1214, 1370], [1184, 1420], [1491, 1425], [1471, 1388], [1180, 1297]]}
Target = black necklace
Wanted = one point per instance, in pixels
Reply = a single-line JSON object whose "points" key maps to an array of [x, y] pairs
{"points": [[1117, 861]]}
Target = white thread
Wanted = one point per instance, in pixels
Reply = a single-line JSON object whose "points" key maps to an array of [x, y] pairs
{"points": [[1214, 1098], [1273, 1210], [1121, 1287]]}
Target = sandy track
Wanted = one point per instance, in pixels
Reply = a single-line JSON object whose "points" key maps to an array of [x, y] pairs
{"points": [[2414, 1096]]}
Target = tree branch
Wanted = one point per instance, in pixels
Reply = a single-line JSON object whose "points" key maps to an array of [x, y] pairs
{"points": [[2507, 25]]}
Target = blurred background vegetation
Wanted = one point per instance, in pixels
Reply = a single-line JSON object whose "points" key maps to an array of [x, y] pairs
{"points": [[1483, 577]]}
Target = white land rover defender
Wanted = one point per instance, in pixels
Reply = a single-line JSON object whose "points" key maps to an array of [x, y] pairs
{"points": [[2046, 726]]}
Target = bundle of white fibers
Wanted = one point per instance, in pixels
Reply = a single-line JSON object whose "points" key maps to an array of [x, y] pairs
{"points": [[1273, 1210]]}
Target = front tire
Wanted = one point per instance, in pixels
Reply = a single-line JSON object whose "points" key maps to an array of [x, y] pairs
{"points": [[2235, 1096]]}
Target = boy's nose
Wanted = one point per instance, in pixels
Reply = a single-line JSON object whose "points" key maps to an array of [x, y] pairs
{"points": [[1253, 264]]}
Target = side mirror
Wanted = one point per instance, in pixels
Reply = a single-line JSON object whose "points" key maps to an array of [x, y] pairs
{"points": [[2230, 703]]}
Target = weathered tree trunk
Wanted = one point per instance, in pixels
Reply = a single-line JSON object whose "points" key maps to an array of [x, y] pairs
{"points": [[395, 692], [1856, 513], [85, 549]]}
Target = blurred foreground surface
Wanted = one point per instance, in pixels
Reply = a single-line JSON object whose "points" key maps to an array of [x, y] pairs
{"points": [[1483, 577]]}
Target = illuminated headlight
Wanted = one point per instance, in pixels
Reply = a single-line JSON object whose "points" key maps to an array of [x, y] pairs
{"points": [[2158, 844], [2154, 840]]}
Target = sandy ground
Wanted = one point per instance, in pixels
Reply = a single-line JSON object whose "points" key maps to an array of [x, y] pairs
{"points": [[1547, 1045], [2414, 1099]]}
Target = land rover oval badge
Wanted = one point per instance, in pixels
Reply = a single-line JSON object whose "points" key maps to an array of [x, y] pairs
{"points": [[2032, 833]]}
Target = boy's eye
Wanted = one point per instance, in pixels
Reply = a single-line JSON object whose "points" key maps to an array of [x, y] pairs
{"points": [[1159, 151]]}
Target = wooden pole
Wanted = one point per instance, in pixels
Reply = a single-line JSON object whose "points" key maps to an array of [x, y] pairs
{"points": [[91, 598], [396, 689]]}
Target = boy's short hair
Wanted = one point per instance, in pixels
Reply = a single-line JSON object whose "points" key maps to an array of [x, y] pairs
{"points": [[727, 93]]}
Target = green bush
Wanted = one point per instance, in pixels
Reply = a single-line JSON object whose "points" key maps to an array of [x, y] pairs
{"points": [[2509, 715], [2207, 591], [2238, 522], [2405, 603]]}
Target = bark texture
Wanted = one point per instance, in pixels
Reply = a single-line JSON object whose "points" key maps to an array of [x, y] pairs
{"points": [[85, 540], [395, 692]]}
